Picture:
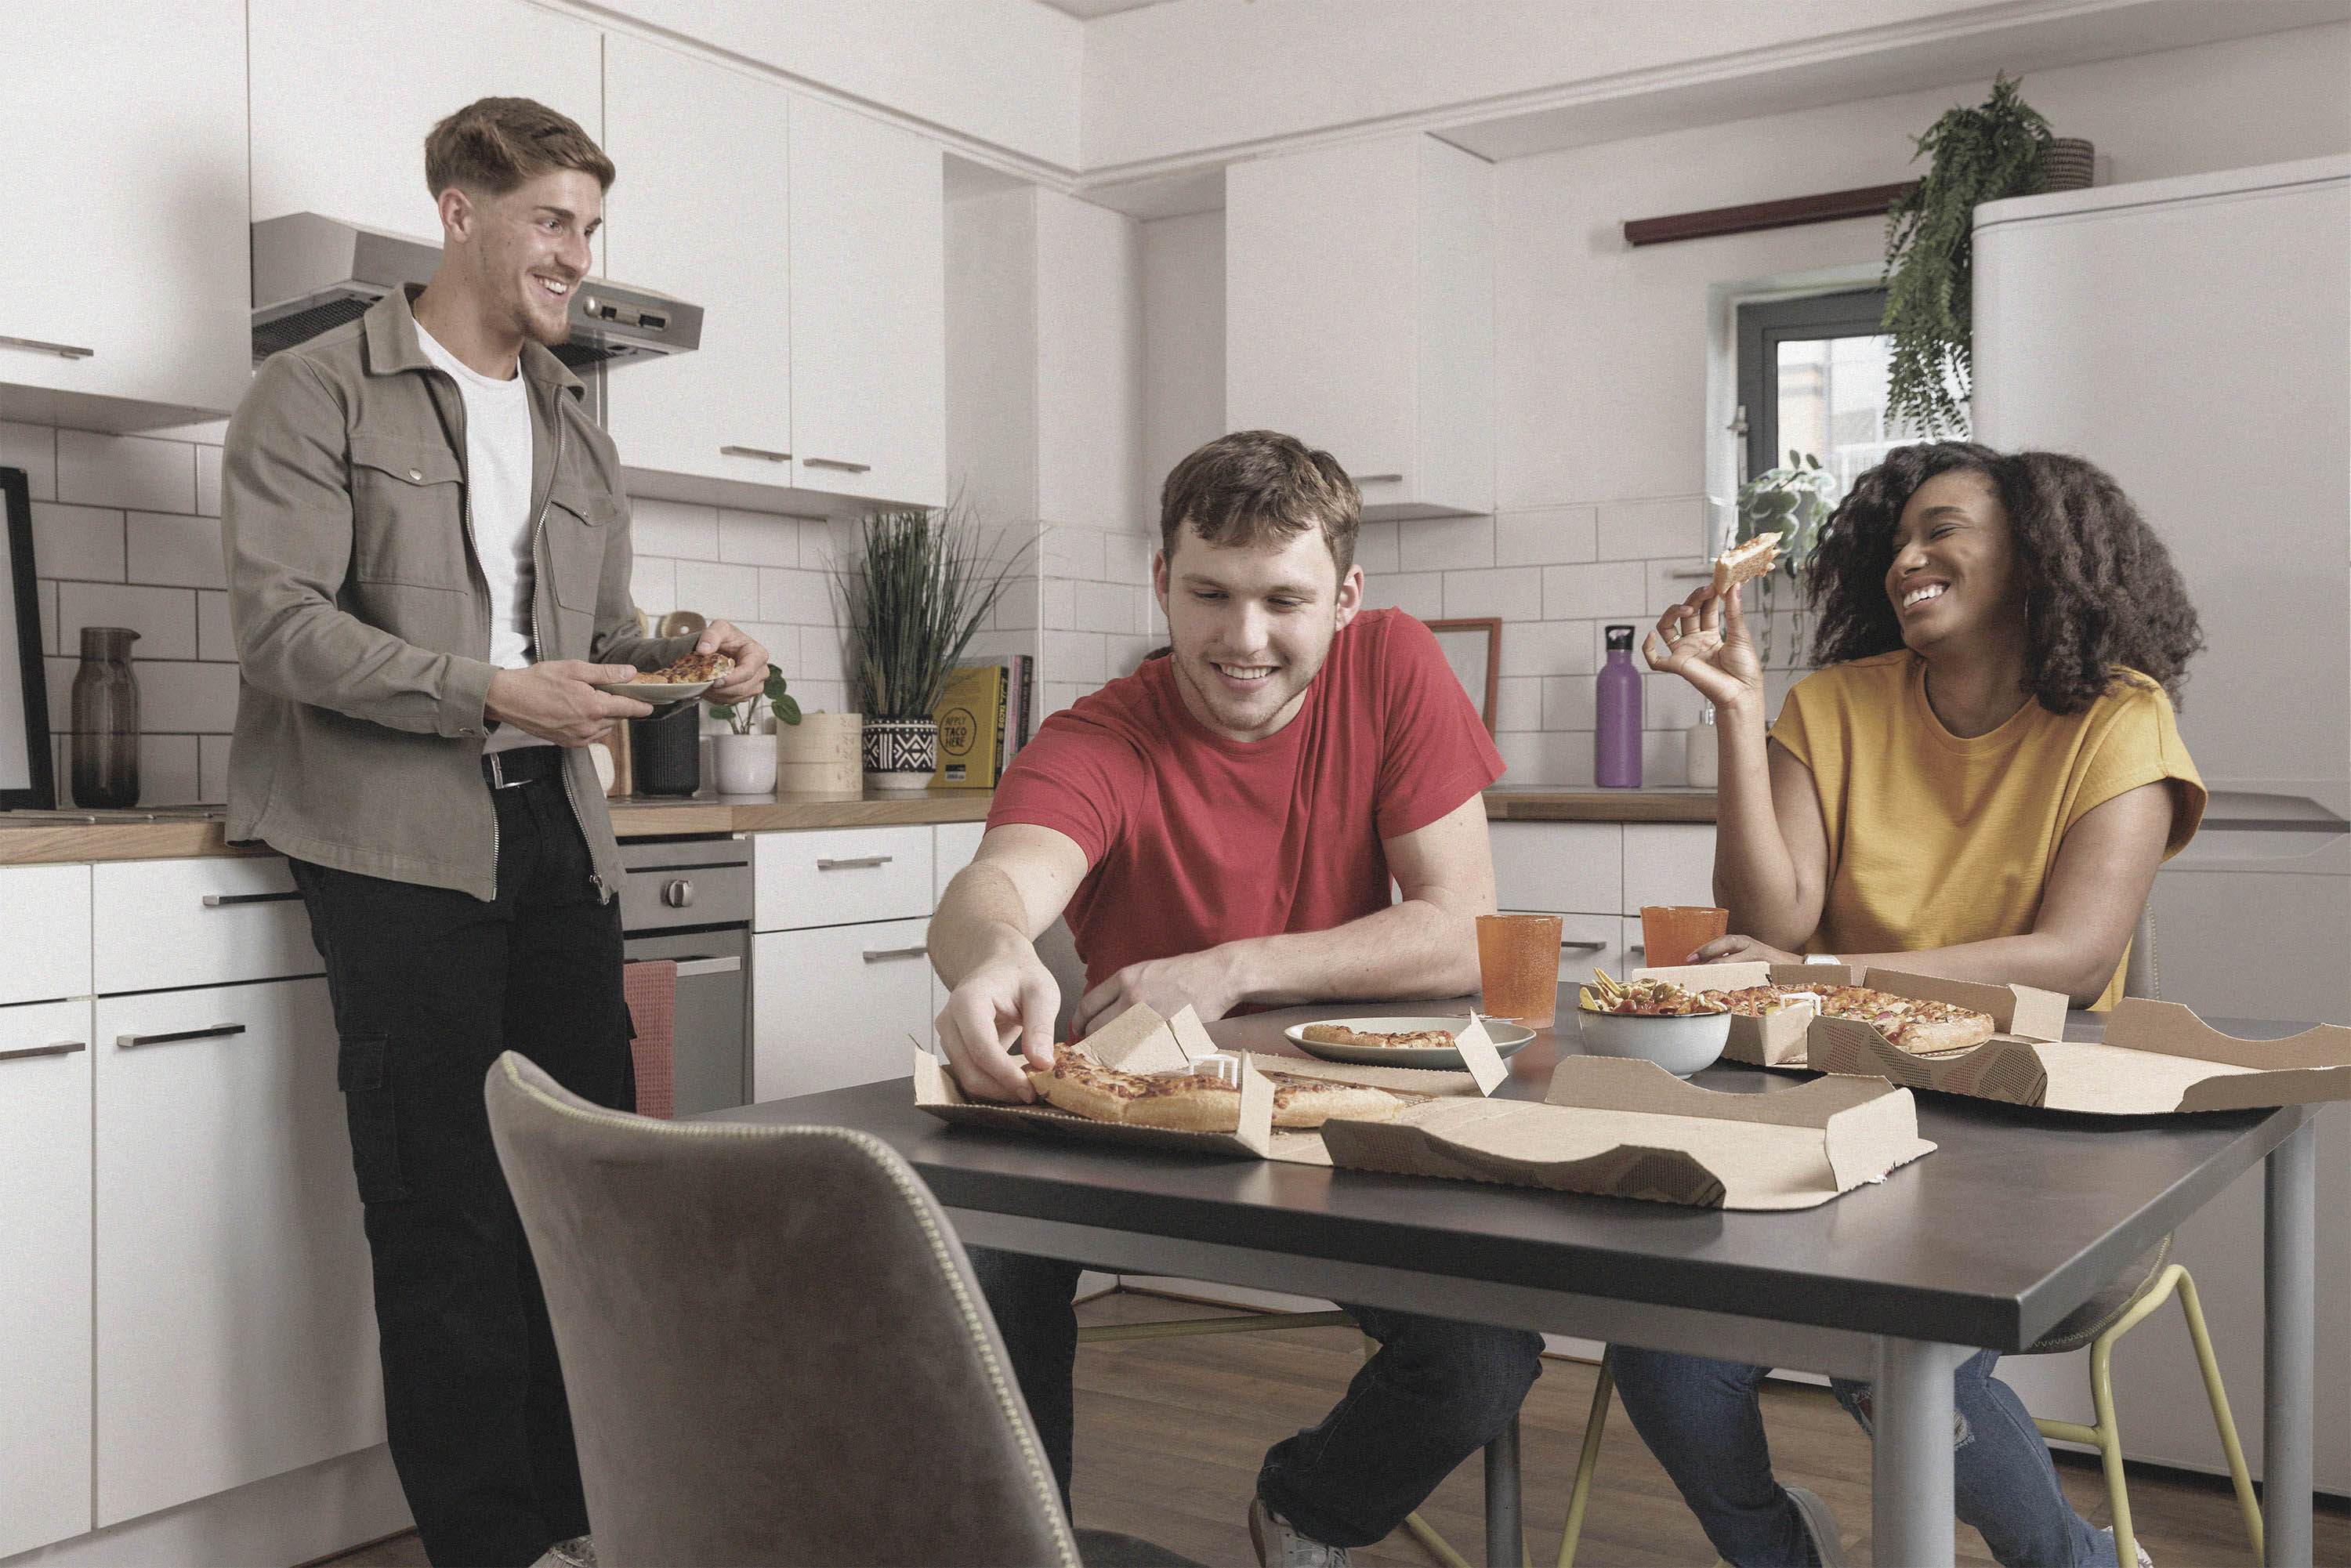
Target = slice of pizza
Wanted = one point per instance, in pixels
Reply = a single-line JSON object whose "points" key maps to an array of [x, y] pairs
{"points": [[1191, 1102], [1311, 1101], [690, 667], [1339, 1034]]}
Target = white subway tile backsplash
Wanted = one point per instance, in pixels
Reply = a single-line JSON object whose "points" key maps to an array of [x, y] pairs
{"points": [[653, 583], [1445, 544], [1073, 551], [758, 539], [1515, 595], [823, 656], [1122, 654], [1057, 603], [1077, 656], [177, 697], [1666, 590], [212, 768], [1644, 530], [1376, 548], [168, 773], [182, 551], [129, 471], [797, 597], [60, 674], [1017, 608], [164, 618], [1126, 558], [1419, 593], [1547, 648], [721, 592], [1104, 607], [1547, 757], [673, 528], [1669, 701], [1608, 588], [33, 448], [208, 480], [1664, 758], [1568, 702], [215, 638], [45, 596], [1518, 703], [84, 543], [1550, 535]]}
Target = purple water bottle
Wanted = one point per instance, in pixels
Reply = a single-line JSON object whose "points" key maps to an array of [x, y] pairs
{"points": [[1616, 742]]}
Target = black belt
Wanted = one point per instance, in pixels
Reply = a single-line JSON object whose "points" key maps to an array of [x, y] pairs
{"points": [[522, 764]]}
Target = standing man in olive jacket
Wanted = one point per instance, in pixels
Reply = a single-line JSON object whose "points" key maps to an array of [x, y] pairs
{"points": [[428, 564]]}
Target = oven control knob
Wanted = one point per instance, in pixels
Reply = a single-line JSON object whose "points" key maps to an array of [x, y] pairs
{"points": [[678, 894]]}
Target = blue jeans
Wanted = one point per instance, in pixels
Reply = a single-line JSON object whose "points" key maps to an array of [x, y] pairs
{"points": [[1703, 1421], [1436, 1394]]}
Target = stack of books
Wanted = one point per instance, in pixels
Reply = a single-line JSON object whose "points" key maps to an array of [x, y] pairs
{"points": [[984, 720]]}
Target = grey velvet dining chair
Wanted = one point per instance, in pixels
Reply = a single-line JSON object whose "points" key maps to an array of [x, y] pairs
{"points": [[775, 1350]]}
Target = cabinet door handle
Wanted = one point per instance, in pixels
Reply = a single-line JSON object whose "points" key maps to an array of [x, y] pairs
{"points": [[760, 452], [837, 462], [858, 863], [1637, 950], [62, 351], [1582, 947], [218, 1032], [224, 900], [1379, 478], [62, 1048], [689, 968], [885, 954]]}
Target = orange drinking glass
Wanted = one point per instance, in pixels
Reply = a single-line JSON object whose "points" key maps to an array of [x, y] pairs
{"points": [[1670, 932], [1518, 966]]}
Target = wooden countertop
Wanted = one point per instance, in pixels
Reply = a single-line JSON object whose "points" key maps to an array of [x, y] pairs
{"points": [[37, 837]]}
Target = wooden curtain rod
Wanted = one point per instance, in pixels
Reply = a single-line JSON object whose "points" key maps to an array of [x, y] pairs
{"points": [[1868, 202]]}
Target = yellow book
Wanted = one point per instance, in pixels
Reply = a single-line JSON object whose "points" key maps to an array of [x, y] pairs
{"points": [[971, 727]]}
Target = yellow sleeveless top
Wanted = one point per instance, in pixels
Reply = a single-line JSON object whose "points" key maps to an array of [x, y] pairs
{"points": [[1935, 839]]}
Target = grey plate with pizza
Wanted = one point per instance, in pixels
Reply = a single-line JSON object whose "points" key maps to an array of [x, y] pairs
{"points": [[1509, 1039], [658, 693]]}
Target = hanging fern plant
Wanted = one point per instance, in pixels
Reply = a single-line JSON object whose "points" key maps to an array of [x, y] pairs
{"points": [[1988, 154]]}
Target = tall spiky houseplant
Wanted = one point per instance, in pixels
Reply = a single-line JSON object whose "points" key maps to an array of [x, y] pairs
{"points": [[920, 587], [1988, 154]]}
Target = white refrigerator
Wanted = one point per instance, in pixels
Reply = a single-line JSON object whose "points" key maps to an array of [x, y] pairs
{"points": [[2192, 337]]}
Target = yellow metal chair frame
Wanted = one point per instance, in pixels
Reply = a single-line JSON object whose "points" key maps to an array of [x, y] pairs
{"points": [[1260, 1322]]}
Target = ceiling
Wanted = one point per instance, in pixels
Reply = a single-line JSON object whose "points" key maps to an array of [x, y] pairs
{"points": [[1086, 10]]}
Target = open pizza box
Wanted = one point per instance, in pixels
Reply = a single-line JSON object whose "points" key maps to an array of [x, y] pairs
{"points": [[1624, 1128], [2019, 1013], [1413, 1086], [2156, 1057], [1137, 1041]]}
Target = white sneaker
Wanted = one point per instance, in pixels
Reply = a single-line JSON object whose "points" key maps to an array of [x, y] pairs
{"points": [[1279, 1546], [2143, 1560], [1821, 1525]]}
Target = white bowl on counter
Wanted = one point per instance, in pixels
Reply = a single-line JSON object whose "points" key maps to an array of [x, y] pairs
{"points": [[1680, 1044]]}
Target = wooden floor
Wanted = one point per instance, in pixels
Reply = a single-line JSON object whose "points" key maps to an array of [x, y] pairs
{"points": [[1170, 1433]]}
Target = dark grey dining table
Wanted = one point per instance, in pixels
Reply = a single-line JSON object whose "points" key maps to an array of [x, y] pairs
{"points": [[2015, 1219]]}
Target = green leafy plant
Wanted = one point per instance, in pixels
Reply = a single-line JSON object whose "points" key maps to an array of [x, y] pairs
{"points": [[744, 719], [919, 589], [1793, 502], [1988, 154]]}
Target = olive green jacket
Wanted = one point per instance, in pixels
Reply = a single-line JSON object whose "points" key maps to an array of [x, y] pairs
{"points": [[362, 617]]}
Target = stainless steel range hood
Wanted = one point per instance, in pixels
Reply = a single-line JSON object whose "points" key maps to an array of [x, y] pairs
{"points": [[311, 274]]}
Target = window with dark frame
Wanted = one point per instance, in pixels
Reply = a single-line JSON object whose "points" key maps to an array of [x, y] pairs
{"points": [[1812, 378]]}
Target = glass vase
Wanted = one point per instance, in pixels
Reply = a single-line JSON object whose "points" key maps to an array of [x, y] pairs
{"points": [[105, 720]]}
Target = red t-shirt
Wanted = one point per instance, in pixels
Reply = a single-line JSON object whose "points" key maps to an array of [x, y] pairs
{"points": [[1192, 839]]}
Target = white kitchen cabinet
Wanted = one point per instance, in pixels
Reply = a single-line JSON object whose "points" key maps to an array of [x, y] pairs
{"points": [[124, 285], [1359, 316], [345, 90], [1559, 866], [957, 844], [1668, 862], [45, 932], [204, 921], [1589, 942], [45, 1252], [868, 307], [702, 215], [235, 1337], [838, 876], [838, 1005]]}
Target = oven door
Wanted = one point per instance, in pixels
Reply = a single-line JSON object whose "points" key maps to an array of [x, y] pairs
{"points": [[712, 1044]]}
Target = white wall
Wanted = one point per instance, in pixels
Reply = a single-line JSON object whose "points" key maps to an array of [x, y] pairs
{"points": [[1184, 343]]}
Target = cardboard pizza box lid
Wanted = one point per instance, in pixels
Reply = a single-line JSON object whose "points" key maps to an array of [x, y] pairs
{"points": [[1137, 1041], [2157, 1058], [1624, 1128]]}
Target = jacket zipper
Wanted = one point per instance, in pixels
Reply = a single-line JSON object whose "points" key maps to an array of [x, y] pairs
{"points": [[538, 535], [474, 555]]}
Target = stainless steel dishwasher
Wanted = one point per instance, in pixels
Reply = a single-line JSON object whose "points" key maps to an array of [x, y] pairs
{"points": [[689, 899]]}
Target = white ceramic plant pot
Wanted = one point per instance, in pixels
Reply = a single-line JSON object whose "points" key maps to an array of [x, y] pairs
{"points": [[901, 753], [744, 764]]}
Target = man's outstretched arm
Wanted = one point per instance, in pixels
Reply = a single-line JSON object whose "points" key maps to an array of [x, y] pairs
{"points": [[1425, 945], [1002, 998]]}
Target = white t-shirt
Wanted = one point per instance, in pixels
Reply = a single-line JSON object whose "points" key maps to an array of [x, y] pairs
{"points": [[497, 472]]}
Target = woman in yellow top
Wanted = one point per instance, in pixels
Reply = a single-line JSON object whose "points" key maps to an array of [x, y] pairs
{"points": [[1980, 783]]}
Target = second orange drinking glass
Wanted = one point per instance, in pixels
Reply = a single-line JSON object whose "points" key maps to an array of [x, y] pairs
{"points": [[1518, 966], [1670, 932]]}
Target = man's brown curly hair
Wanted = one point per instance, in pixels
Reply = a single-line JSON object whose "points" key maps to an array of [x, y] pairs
{"points": [[2101, 592]]}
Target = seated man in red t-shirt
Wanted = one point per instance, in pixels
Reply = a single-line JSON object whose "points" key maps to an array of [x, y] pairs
{"points": [[1220, 828]]}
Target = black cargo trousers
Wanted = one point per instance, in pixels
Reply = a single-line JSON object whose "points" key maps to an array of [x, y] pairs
{"points": [[429, 986]]}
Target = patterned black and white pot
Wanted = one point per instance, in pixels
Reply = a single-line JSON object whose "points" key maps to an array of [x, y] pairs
{"points": [[901, 753]]}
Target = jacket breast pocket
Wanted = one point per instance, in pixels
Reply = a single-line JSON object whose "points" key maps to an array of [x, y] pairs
{"points": [[579, 522], [408, 514]]}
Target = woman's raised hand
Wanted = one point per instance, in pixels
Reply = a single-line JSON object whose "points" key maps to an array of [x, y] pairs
{"points": [[1704, 641]]}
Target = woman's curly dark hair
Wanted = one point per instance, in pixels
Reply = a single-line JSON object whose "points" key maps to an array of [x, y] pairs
{"points": [[2102, 592]]}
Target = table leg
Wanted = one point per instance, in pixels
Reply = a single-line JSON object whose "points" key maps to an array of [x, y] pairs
{"points": [[1910, 1464], [1503, 1548], [2289, 1346]]}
